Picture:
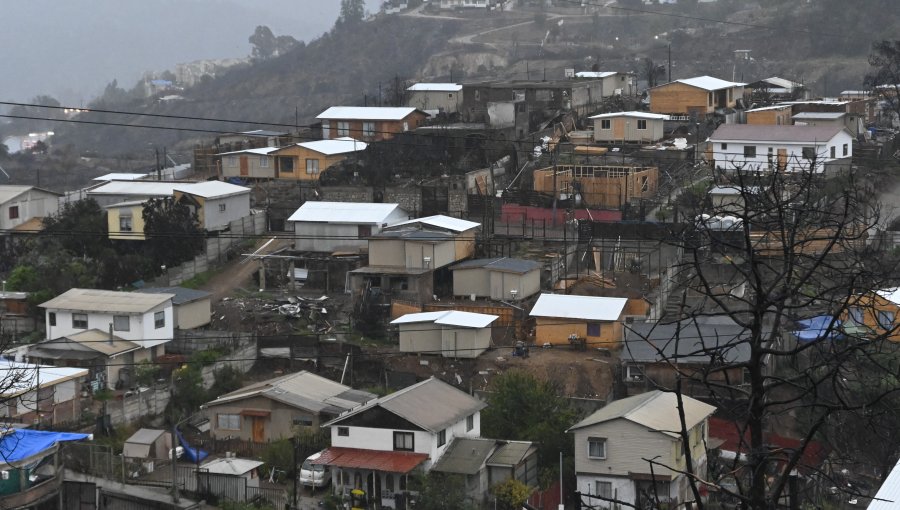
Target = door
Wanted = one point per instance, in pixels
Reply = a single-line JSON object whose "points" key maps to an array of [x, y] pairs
{"points": [[259, 429], [244, 166], [782, 160]]}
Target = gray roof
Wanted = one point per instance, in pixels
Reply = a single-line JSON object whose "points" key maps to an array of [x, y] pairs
{"points": [[766, 133], [181, 295], [511, 453], [697, 342], [502, 264], [303, 390], [465, 456], [95, 300], [656, 410], [145, 436], [431, 404]]}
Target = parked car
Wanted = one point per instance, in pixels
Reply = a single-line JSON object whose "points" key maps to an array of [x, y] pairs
{"points": [[314, 475]]}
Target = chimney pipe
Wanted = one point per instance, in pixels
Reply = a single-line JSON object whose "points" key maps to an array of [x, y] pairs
{"points": [[110, 333]]}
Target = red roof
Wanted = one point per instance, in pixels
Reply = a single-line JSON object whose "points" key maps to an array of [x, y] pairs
{"points": [[376, 460], [815, 453]]}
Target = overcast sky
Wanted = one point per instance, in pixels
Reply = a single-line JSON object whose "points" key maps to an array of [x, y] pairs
{"points": [[71, 49]]}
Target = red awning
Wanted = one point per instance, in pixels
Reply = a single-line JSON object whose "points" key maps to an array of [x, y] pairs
{"points": [[375, 460]]}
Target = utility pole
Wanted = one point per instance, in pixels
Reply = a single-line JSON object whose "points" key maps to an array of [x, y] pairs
{"points": [[158, 173], [174, 460], [296, 443], [670, 61]]}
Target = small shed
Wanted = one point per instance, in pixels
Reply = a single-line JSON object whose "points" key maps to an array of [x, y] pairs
{"points": [[501, 278], [191, 308], [148, 444], [453, 334], [229, 477], [595, 320]]}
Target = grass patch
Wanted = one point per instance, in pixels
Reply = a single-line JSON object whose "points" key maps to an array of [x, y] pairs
{"points": [[199, 280]]}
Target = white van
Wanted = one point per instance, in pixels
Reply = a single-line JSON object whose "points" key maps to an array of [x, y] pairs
{"points": [[314, 475]]}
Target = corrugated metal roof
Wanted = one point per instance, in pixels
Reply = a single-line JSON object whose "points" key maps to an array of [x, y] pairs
{"points": [[595, 74], [375, 460], [95, 300], [764, 133], [697, 342], [24, 377], [819, 116], [145, 436], [450, 318], [140, 188], [656, 410], [768, 108], [414, 234], [435, 87], [212, 189], [888, 495], [635, 115], [180, 295], [261, 151], [341, 145], [119, 177], [303, 390], [892, 295], [502, 264], [510, 453], [344, 212], [465, 456], [579, 307], [230, 466], [414, 318], [416, 404], [781, 82], [95, 340], [263, 132], [440, 221], [708, 83], [366, 113]]}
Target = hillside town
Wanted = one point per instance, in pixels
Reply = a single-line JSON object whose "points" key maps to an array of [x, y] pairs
{"points": [[588, 288]]}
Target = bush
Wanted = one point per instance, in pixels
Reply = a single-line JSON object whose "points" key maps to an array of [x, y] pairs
{"points": [[511, 494]]}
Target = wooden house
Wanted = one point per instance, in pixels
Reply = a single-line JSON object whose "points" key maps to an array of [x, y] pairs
{"points": [[778, 115], [594, 321], [629, 127], [369, 123], [701, 96], [444, 97], [602, 186]]}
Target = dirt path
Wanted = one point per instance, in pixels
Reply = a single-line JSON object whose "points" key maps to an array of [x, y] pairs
{"points": [[239, 272]]}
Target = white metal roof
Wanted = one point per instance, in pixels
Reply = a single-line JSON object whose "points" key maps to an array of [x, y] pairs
{"points": [[636, 115], [24, 377], [261, 151], [656, 410], [435, 87], [212, 189], [442, 221], [888, 495], [767, 108], [595, 74], [95, 300], [449, 318], [781, 82], [366, 113], [11, 191], [119, 177], [819, 115], [709, 83], [230, 466], [336, 146], [140, 188], [343, 212], [579, 307], [892, 295]]}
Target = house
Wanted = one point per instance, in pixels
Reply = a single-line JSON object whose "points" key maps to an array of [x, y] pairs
{"points": [[877, 312], [780, 148], [271, 410], [487, 462], [778, 115], [611, 446], [216, 203], [38, 394], [500, 278], [376, 447], [255, 163], [860, 112], [607, 184], [613, 83], [328, 226], [452, 334], [561, 318], [307, 160], [656, 354], [149, 444], [29, 462], [369, 123], [229, 478], [253, 139], [116, 192], [698, 96], [777, 89], [445, 97], [23, 207], [191, 308], [15, 316], [629, 127], [854, 123]]}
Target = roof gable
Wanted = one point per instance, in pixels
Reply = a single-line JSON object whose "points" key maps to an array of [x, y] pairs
{"points": [[344, 212], [709, 83], [96, 300], [775, 134], [656, 410], [367, 113]]}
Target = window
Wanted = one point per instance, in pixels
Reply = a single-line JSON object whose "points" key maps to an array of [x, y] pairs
{"points": [[856, 314], [343, 129], [724, 146], [228, 421], [312, 166], [344, 431], [159, 320], [642, 124], [403, 441], [846, 150], [749, 151], [125, 224], [470, 422], [603, 489], [286, 165], [709, 99], [405, 127], [442, 438], [121, 323], [232, 161], [634, 373], [222, 207], [597, 447], [645, 184], [369, 129], [593, 329], [79, 321], [326, 129], [809, 153], [833, 152], [302, 421], [363, 231], [52, 318], [14, 212], [885, 319], [264, 162], [605, 124]]}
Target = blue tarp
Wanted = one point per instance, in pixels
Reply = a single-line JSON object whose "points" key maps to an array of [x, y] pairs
{"points": [[21, 444], [820, 327], [194, 455]]}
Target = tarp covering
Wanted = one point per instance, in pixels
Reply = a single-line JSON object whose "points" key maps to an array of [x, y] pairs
{"points": [[818, 328], [22, 444], [194, 455]]}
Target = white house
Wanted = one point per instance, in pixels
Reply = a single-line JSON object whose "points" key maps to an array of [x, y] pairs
{"points": [[452, 334], [446, 97], [25, 206], [633, 127], [500, 278], [780, 148], [216, 203], [612, 446], [327, 226], [115, 192], [377, 446], [614, 83], [31, 389], [229, 478]]}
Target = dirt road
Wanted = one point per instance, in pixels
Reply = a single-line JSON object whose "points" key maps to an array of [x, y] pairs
{"points": [[239, 272]]}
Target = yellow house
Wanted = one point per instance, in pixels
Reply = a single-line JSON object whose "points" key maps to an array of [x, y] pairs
{"points": [[596, 320], [305, 161], [125, 220], [877, 311]]}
